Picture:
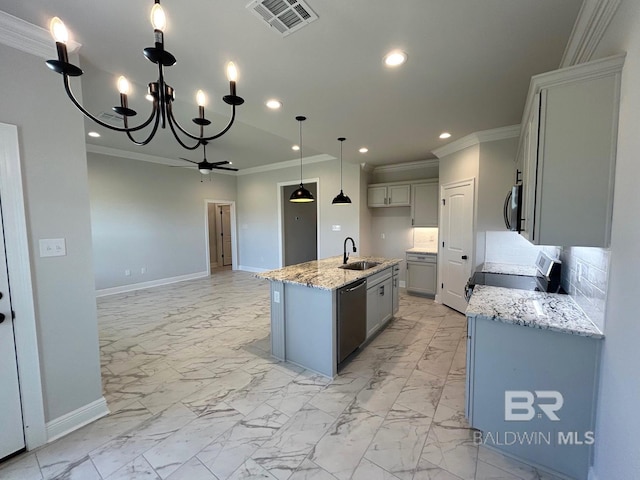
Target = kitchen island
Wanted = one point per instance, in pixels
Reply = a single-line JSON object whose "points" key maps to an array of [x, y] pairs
{"points": [[532, 377], [305, 307]]}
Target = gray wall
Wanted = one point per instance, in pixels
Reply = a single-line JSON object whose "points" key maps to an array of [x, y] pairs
{"points": [[52, 149], [147, 215], [258, 211], [616, 453]]}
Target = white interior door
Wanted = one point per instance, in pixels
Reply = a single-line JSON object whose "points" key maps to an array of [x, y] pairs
{"points": [[11, 426], [456, 230], [225, 234]]}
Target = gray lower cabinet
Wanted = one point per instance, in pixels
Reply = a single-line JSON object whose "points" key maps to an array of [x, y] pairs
{"points": [[531, 394], [422, 274], [396, 289], [379, 300]]}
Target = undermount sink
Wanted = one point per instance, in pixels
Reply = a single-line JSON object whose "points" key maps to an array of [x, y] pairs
{"points": [[361, 265]]}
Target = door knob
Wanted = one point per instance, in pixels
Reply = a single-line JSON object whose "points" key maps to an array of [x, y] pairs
{"points": [[2, 317], [464, 257]]}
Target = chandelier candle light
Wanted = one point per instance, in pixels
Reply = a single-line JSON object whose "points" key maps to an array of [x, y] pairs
{"points": [[301, 195], [162, 94]]}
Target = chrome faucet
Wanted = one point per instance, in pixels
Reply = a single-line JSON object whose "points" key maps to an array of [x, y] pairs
{"points": [[345, 255]]}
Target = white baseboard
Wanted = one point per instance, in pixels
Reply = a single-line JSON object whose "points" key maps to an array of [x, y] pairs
{"points": [[80, 417], [153, 283], [437, 299], [246, 268]]}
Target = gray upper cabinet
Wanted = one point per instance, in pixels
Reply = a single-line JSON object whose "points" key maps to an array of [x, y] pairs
{"points": [[389, 195], [567, 154], [424, 204]]}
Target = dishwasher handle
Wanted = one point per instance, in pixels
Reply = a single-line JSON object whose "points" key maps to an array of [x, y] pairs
{"points": [[347, 290]]}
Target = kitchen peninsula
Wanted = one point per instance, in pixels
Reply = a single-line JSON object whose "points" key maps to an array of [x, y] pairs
{"points": [[309, 310]]}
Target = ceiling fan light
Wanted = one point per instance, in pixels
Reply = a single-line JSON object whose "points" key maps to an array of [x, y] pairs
{"points": [[205, 171]]}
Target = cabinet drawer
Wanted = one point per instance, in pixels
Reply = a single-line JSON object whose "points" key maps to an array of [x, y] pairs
{"points": [[422, 257], [376, 278]]}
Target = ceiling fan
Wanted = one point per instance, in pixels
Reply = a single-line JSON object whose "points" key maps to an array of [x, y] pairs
{"points": [[206, 166]]}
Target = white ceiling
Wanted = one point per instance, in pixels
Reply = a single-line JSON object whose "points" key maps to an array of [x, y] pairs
{"points": [[468, 70]]}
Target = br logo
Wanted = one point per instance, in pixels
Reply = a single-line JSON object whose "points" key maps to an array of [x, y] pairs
{"points": [[520, 405]]}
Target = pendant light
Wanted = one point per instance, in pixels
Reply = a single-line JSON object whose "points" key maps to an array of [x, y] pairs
{"points": [[301, 195], [341, 198]]}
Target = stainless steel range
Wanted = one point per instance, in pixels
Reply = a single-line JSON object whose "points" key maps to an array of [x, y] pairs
{"points": [[547, 278]]}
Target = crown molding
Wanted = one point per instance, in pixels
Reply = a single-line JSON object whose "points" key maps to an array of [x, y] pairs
{"points": [[592, 22], [400, 167], [29, 38], [286, 164], [476, 138]]}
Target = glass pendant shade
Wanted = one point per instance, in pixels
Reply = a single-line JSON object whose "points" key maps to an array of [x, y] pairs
{"points": [[301, 195], [341, 198]]}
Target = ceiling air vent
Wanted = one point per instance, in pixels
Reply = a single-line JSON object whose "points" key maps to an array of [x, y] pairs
{"points": [[110, 118], [283, 16]]}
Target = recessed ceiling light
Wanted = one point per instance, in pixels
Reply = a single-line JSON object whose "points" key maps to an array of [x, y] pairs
{"points": [[395, 58], [363, 150], [273, 104], [295, 147], [93, 134], [444, 135]]}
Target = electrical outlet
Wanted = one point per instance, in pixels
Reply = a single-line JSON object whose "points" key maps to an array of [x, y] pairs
{"points": [[382, 236], [127, 273], [336, 228], [52, 247], [276, 297], [143, 270]]}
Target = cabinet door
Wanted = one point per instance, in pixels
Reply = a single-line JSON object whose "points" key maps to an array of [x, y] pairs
{"points": [[377, 196], [421, 277], [530, 172], [396, 295], [385, 300], [373, 311], [399, 195], [424, 204]]}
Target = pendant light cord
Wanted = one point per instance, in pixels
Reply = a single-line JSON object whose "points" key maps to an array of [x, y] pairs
{"points": [[300, 123], [341, 165]]}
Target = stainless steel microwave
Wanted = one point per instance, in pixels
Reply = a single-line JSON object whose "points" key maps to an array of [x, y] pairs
{"points": [[513, 209]]}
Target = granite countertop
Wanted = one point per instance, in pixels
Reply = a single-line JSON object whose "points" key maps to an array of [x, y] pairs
{"points": [[325, 274], [424, 250], [546, 311], [507, 268]]}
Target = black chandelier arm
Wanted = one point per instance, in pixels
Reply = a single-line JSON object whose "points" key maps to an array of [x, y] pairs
{"points": [[176, 135], [70, 94], [151, 134], [172, 120]]}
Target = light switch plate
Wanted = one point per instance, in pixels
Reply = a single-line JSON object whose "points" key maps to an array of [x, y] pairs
{"points": [[52, 247], [336, 228]]}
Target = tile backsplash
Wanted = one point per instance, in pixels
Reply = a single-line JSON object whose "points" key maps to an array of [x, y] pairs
{"points": [[425, 237], [512, 248], [585, 276]]}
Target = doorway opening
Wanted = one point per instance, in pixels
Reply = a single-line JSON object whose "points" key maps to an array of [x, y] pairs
{"points": [[299, 229], [221, 236]]}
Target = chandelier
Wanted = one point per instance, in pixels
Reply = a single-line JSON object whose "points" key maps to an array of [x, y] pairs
{"points": [[159, 91]]}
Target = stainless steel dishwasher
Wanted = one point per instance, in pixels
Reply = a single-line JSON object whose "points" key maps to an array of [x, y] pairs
{"points": [[352, 317]]}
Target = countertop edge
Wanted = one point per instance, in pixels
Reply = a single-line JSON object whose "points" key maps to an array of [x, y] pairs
{"points": [[357, 274]]}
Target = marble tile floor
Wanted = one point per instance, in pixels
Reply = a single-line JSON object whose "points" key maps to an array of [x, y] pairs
{"points": [[195, 395]]}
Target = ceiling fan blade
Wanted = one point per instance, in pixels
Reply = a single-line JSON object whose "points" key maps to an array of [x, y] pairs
{"points": [[225, 168], [187, 160], [222, 162]]}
